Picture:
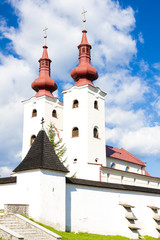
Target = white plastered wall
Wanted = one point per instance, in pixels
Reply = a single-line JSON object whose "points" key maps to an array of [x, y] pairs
{"points": [[121, 165], [53, 199], [45, 193], [97, 210], [32, 125], [28, 191], [117, 176], [6, 191], [25, 191]]}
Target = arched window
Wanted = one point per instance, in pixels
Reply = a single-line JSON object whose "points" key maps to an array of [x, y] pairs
{"points": [[96, 160], [127, 169], [96, 105], [34, 113], [75, 132], [113, 165], [75, 103], [54, 113], [95, 132], [33, 137]]}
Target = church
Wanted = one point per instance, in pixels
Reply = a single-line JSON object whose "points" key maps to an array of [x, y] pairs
{"points": [[111, 193]]}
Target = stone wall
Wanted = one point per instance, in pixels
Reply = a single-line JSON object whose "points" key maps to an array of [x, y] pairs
{"points": [[16, 208]]}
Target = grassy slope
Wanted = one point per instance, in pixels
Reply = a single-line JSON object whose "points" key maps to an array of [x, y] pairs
{"points": [[87, 236]]}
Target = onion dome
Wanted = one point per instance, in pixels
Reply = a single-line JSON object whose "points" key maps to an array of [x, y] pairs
{"points": [[84, 73], [44, 85]]}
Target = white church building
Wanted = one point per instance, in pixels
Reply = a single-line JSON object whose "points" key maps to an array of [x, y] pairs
{"points": [[112, 193]]}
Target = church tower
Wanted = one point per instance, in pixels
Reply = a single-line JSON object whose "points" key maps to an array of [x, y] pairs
{"points": [[42, 105], [84, 118]]}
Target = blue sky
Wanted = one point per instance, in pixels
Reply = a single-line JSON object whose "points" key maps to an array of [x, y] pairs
{"points": [[125, 39]]}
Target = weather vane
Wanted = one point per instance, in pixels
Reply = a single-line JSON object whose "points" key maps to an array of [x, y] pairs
{"points": [[45, 35], [42, 121], [84, 19]]}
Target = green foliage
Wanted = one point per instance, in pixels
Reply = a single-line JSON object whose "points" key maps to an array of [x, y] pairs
{"points": [[58, 146], [74, 175]]}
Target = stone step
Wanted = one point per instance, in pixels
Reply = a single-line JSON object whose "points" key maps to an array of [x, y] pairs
{"points": [[26, 228], [14, 226]]}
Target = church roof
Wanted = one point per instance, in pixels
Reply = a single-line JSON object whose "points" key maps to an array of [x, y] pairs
{"points": [[123, 155], [41, 156]]}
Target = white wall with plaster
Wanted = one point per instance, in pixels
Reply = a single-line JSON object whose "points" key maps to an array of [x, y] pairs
{"points": [[97, 210]]}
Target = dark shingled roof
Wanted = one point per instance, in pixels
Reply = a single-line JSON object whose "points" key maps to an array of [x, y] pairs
{"points": [[91, 183], [7, 180], [41, 156]]}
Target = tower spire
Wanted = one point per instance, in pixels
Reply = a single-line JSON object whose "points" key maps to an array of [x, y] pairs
{"points": [[44, 85], [84, 73]]}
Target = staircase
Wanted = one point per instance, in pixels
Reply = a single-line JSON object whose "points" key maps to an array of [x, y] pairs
{"points": [[17, 227]]}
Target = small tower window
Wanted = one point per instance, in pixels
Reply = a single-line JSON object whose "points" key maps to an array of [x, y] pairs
{"points": [[75, 132], [83, 50], [127, 169], [96, 160], [75, 160], [34, 113], [95, 132], [54, 113], [96, 105], [75, 103], [113, 165], [43, 63], [33, 137]]}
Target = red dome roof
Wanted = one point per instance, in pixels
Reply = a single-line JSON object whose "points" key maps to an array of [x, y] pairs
{"points": [[84, 73], [44, 85]]}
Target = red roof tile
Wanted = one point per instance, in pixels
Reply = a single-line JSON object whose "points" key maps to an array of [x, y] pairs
{"points": [[123, 155], [147, 173]]}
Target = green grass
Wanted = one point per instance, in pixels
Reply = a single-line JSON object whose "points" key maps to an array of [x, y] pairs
{"points": [[86, 236]]}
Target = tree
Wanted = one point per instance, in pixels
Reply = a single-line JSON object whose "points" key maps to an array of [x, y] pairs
{"points": [[58, 146]]}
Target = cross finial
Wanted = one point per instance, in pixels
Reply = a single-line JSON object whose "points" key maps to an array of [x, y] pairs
{"points": [[45, 34], [84, 19], [42, 122]]}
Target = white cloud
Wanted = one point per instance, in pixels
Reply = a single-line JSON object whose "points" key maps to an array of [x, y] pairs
{"points": [[140, 38], [122, 88], [157, 78], [156, 105], [144, 66], [144, 141], [5, 171], [126, 120], [156, 65], [62, 18]]}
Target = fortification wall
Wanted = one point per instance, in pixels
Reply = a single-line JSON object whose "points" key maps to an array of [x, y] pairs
{"points": [[103, 209]]}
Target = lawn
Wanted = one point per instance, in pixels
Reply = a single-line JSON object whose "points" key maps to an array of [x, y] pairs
{"points": [[87, 236]]}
